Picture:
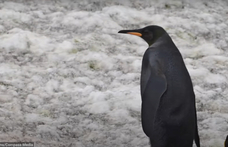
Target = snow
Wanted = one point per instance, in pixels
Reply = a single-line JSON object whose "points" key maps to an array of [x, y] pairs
{"points": [[67, 78]]}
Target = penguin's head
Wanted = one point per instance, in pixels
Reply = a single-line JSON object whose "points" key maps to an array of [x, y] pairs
{"points": [[150, 33]]}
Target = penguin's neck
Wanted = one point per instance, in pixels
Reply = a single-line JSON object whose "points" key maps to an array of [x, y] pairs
{"points": [[157, 35], [161, 40]]}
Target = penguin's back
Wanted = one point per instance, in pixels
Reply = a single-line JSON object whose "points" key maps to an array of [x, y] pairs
{"points": [[175, 117]]}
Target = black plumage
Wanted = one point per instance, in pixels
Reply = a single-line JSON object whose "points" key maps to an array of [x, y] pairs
{"points": [[168, 100], [226, 142]]}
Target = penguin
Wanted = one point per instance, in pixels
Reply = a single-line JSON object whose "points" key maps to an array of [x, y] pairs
{"points": [[168, 111], [226, 142]]}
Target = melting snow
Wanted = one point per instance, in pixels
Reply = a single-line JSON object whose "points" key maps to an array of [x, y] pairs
{"points": [[67, 78]]}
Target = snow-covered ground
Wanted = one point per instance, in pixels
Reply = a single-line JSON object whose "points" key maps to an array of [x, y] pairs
{"points": [[68, 79]]}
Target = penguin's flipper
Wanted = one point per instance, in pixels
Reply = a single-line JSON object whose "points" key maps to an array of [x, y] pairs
{"points": [[154, 85]]}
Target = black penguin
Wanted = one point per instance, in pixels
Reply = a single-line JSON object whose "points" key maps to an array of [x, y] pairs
{"points": [[168, 100], [226, 142]]}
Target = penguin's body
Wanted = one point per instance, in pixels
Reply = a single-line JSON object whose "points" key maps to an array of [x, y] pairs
{"points": [[174, 121], [168, 101]]}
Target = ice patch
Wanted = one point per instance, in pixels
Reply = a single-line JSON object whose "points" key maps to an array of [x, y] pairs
{"points": [[52, 86], [215, 78], [5, 98], [33, 101], [24, 41], [99, 107], [14, 17], [204, 50]]}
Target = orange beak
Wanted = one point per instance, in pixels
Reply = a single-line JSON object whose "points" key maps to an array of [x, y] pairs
{"points": [[135, 33]]}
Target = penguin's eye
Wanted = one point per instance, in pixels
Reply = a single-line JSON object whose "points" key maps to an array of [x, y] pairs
{"points": [[145, 32], [148, 34]]}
